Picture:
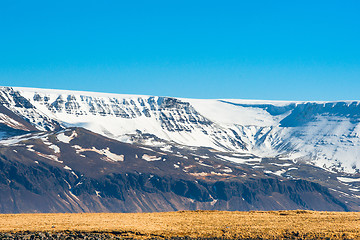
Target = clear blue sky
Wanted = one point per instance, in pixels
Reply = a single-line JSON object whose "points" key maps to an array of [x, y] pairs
{"points": [[286, 50]]}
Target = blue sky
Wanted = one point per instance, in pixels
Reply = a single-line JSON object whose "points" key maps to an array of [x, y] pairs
{"points": [[284, 50]]}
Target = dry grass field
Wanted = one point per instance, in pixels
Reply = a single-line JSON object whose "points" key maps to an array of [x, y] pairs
{"points": [[195, 224]]}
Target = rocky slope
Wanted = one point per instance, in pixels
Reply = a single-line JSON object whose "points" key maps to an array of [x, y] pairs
{"points": [[79, 171]]}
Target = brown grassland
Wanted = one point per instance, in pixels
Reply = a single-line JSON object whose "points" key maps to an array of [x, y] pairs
{"points": [[195, 224]]}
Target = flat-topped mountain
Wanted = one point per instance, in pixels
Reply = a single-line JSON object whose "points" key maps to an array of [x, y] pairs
{"points": [[69, 151]]}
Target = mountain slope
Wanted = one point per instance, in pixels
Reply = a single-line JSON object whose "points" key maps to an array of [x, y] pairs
{"points": [[79, 171], [324, 133]]}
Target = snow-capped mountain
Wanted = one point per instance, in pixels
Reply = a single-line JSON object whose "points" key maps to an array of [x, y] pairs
{"points": [[84, 152], [326, 134]]}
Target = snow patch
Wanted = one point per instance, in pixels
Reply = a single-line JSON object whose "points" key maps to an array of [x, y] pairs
{"points": [[73, 195], [200, 174], [108, 156], [345, 179], [50, 157], [149, 149], [227, 170], [67, 168], [150, 158], [66, 139], [166, 148], [5, 119], [292, 168], [278, 173], [239, 160], [213, 202], [54, 147], [205, 165], [17, 139]]}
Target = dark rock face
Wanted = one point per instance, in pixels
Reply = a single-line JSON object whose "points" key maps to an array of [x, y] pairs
{"points": [[19, 100], [31, 181], [46, 190], [28, 116]]}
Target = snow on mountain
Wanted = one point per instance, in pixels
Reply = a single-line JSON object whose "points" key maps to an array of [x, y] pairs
{"points": [[326, 134], [116, 116]]}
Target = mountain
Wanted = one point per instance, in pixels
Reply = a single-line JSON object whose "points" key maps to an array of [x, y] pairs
{"points": [[70, 151]]}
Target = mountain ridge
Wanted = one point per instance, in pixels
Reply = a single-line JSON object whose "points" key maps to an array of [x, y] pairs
{"points": [[234, 100]]}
